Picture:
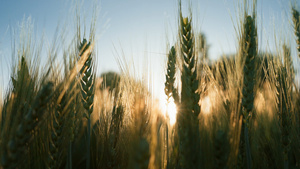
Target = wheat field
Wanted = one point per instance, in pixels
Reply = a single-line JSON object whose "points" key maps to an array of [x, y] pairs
{"points": [[240, 112]]}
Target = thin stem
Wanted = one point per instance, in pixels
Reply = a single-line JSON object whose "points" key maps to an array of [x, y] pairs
{"points": [[88, 160], [167, 143], [248, 149]]}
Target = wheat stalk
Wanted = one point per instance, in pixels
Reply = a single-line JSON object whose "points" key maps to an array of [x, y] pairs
{"points": [[87, 91], [117, 118], [189, 96], [248, 54], [16, 146], [284, 112], [296, 21], [170, 89], [56, 139], [188, 124], [111, 81], [288, 63]]}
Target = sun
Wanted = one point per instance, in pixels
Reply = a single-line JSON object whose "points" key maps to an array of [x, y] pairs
{"points": [[169, 110], [206, 105]]}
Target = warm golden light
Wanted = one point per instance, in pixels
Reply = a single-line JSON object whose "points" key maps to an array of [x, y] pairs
{"points": [[206, 105], [171, 111]]}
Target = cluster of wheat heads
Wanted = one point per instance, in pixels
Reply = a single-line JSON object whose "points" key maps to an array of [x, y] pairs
{"points": [[78, 120], [188, 104], [38, 112], [248, 53], [261, 115]]}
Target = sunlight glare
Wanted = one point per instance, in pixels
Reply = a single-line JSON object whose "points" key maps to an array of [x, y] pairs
{"points": [[206, 105], [169, 109], [172, 111]]}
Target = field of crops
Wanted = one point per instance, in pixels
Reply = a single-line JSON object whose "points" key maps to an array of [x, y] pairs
{"points": [[241, 111]]}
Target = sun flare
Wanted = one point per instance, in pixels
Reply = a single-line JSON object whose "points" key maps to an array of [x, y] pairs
{"points": [[206, 105], [170, 110]]}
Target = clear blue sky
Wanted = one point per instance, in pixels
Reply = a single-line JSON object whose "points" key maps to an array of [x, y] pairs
{"points": [[138, 29]]}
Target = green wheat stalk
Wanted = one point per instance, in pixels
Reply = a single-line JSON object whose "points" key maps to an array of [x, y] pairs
{"points": [[296, 21], [16, 146], [116, 121], [58, 123], [248, 54], [288, 63], [202, 50], [170, 89], [189, 94], [284, 112], [188, 124], [87, 91]]}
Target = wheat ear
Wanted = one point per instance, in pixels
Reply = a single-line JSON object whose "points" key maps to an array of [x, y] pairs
{"points": [[188, 124], [170, 89], [87, 91], [284, 112], [248, 54], [288, 63], [296, 21], [56, 134], [17, 145], [189, 96]]}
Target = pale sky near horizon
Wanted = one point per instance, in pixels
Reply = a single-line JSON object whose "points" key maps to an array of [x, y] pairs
{"points": [[139, 29]]}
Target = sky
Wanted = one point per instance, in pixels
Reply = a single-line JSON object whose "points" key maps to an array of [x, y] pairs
{"points": [[139, 32]]}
